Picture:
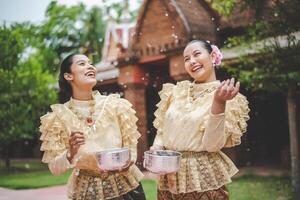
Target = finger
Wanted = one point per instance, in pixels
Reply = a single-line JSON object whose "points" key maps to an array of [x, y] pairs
{"points": [[102, 170], [79, 140], [129, 164], [78, 135], [231, 83], [236, 89], [227, 82], [72, 133], [221, 84], [229, 90], [77, 143], [229, 86], [223, 90], [119, 169], [75, 137]]}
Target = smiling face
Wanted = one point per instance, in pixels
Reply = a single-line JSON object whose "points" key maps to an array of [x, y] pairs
{"points": [[83, 73], [198, 62]]}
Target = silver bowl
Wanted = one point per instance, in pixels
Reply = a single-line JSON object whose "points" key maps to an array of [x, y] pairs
{"points": [[113, 159], [162, 161]]}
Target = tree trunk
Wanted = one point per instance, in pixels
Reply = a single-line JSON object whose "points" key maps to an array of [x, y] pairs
{"points": [[7, 157], [291, 104]]}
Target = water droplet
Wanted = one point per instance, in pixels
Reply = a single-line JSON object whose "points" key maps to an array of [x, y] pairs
{"points": [[115, 63], [148, 44]]}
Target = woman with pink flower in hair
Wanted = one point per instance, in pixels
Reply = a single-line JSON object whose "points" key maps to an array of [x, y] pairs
{"points": [[198, 119]]}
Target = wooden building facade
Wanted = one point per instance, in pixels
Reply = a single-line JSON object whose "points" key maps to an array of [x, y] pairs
{"points": [[139, 58]]}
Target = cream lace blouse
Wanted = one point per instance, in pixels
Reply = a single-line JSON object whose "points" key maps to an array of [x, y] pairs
{"points": [[115, 126], [184, 124]]}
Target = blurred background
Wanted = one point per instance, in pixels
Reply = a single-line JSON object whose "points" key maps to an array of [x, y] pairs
{"points": [[137, 46]]}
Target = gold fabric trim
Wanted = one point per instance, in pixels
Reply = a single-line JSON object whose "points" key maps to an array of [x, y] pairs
{"points": [[95, 185], [199, 171]]}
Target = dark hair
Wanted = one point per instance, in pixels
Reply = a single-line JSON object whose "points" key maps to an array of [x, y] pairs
{"points": [[204, 43], [65, 89]]}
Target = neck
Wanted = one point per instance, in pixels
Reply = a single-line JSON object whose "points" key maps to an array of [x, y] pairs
{"points": [[211, 78], [82, 94]]}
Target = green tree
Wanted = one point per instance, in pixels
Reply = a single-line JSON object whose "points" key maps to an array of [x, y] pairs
{"points": [[70, 29], [93, 36], [25, 92], [275, 65]]}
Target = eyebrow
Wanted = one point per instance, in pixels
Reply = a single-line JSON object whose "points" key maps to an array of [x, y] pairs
{"points": [[82, 61], [195, 51], [192, 53]]}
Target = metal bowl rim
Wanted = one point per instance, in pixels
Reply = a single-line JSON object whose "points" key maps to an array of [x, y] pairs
{"points": [[113, 150], [150, 154]]}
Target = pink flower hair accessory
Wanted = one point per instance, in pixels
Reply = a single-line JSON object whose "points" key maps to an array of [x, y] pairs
{"points": [[219, 55]]}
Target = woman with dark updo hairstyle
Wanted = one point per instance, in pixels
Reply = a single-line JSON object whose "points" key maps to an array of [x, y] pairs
{"points": [[86, 122], [198, 119]]}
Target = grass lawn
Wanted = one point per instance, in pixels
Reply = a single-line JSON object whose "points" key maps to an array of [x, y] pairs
{"points": [[243, 188]]}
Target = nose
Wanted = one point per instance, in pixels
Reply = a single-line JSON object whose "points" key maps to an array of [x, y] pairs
{"points": [[91, 67], [192, 61]]}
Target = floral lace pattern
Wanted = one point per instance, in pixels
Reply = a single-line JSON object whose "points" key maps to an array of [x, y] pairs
{"points": [[199, 171], [93, 185]]}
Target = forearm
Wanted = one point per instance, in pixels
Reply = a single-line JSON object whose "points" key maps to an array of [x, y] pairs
{"points": [[214, 137], [218, 107], [60, 164]]}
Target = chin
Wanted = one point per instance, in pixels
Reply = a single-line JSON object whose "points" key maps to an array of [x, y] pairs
{"points": [[198, 77], [90, 83]]}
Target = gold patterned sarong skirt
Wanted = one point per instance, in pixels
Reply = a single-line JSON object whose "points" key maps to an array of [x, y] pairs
{"points": [[201, 174], [218, 194], [92, 185]]}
